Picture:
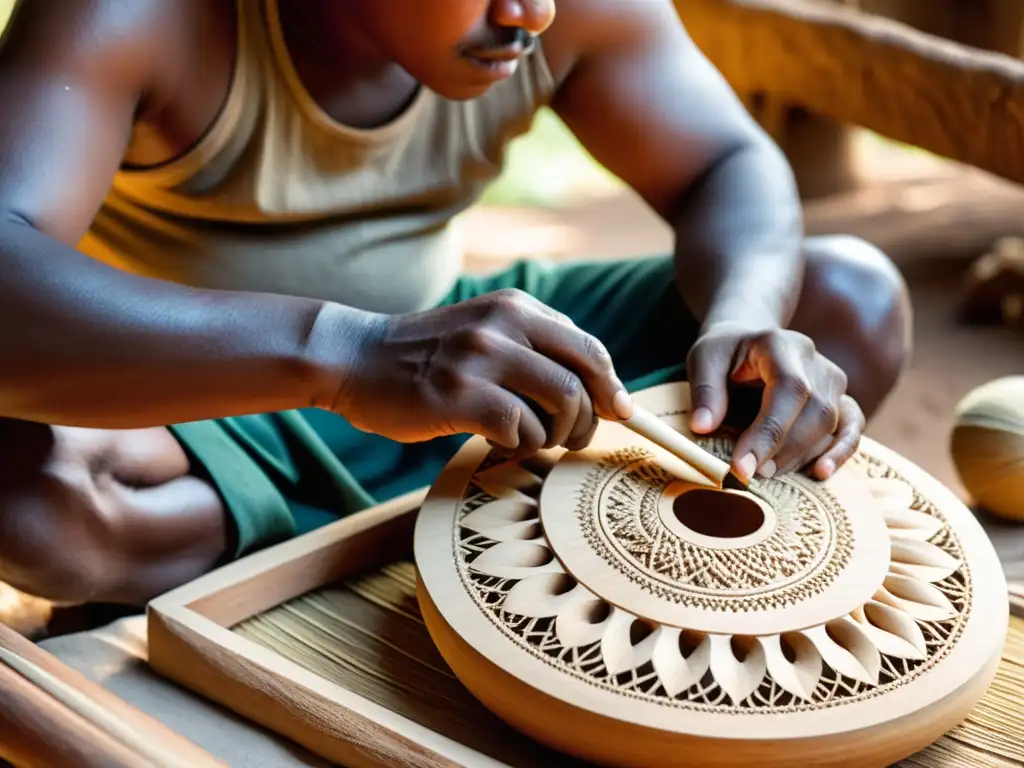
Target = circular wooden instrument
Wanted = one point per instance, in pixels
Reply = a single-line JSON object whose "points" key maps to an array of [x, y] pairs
{"points": [[610, 605]]}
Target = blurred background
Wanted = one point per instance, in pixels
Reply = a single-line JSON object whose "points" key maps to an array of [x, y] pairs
{"points": [[908, 134]]}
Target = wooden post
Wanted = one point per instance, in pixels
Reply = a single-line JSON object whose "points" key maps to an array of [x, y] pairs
{"points": [[820, 150], [992, 25]]}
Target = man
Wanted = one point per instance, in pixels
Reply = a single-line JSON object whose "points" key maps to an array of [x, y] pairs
{"points": [[233, 218]]}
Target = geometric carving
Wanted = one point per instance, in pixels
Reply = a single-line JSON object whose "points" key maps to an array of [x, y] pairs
{"points": [[912, 618], [574, 574]]}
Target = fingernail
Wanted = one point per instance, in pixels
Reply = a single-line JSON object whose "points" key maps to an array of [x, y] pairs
{"points": [[748, 465], [768, 469], [622, 404], [702, 420], [826, 468]]}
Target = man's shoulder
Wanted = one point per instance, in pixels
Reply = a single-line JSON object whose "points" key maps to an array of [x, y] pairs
{"points": [[585, 27], [114, 40]]}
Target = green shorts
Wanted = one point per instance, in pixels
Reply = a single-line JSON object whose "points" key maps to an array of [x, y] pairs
{"points": [[282, 474]]}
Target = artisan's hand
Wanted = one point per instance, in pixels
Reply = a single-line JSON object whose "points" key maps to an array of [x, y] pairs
{"points": [[502, 365], [806, 418]]}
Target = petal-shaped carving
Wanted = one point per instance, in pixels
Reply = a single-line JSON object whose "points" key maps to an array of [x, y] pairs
{"points": [[738, 678], [677, 670], [893, 632], [891, 493], [911, 524], [540, 596], [505, 519], [800, 670], [508, 479], [628, 642], [919, 599], [516, 560], [847, 649], [921, 560], [583, 619]]}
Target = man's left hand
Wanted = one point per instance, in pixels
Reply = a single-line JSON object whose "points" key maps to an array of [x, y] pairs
{"points": [[806, 419]]}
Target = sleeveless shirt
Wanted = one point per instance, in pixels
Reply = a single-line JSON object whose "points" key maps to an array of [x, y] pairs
{"points": [[277, 197]]}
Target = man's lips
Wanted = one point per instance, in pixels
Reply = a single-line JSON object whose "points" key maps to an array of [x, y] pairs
{"points": [[497, 55]]}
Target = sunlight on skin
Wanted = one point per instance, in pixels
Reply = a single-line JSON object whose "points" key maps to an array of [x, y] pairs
{"points": [[6, 6]]}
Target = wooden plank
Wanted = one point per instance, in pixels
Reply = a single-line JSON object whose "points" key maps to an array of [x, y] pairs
{"points": [[52, 715]]}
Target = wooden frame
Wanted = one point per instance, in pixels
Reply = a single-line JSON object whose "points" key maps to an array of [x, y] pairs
{"points": [[190, 642]]}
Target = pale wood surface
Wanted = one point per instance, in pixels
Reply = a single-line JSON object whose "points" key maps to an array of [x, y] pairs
{"points": [[558, 703], [393, 639]]}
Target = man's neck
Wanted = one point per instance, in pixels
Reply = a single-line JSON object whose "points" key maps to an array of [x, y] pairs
{"points": [[348, 77]]}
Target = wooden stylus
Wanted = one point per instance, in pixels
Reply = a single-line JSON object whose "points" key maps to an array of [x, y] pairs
{"points": [[646, 424]]}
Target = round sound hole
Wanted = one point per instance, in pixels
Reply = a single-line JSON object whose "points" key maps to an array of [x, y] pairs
{"points": [[718, 514]]}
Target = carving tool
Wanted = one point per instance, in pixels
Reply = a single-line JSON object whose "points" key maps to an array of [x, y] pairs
{"points": [[646, 424]]}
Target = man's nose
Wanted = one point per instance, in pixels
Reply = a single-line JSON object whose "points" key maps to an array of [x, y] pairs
{"points": [[533, 16]]}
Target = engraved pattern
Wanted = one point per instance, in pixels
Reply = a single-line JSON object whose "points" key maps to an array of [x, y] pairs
{"points": [[913, 621], [617, 511]]}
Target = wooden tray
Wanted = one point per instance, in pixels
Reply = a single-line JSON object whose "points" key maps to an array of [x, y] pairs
{"points": [[191, 642], [195, 639]]}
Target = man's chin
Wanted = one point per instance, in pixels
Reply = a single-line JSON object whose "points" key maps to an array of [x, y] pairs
{"points": [[469, 80], [461, 91]]}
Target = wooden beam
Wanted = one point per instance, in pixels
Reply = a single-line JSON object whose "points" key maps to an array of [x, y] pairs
{"points": [[944, 97]]}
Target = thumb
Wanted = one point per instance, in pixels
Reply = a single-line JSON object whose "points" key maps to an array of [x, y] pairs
{"points": [[708, 366]]}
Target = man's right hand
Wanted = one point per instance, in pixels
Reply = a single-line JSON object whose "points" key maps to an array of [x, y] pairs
{"points": [[502, 365]]}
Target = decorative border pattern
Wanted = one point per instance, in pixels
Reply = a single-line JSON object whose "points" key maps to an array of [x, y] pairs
{"points": [[813, 542], [585, 663]]}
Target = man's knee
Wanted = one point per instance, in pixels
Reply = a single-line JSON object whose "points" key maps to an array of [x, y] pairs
{"points": [[57, 540], [103, 516], [856, 306]]}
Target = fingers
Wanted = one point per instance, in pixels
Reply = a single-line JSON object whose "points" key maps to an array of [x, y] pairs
{"points": [[500, 417], [846, 441], [812, 430], [559, 391], [584, 355], [786, 393], [707, 367]]}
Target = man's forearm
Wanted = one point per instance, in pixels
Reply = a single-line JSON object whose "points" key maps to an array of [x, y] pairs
{"points": [[738, 239], [82, 344]]}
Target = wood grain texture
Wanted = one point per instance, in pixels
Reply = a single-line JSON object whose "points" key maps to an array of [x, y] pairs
{"points": [[59, 717], [367, 635], [950, 99], [37, 731], [331, 668]]}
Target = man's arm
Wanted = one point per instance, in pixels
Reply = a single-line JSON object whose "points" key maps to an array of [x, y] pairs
{"points": [[647, 104], [84, 344]]}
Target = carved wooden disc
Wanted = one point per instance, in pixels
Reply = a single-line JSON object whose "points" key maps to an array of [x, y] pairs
{"points": [[620, 614]]}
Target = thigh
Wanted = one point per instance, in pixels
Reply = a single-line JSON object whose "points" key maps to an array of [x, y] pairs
{"points": [[283, 474], [633, 306]]}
